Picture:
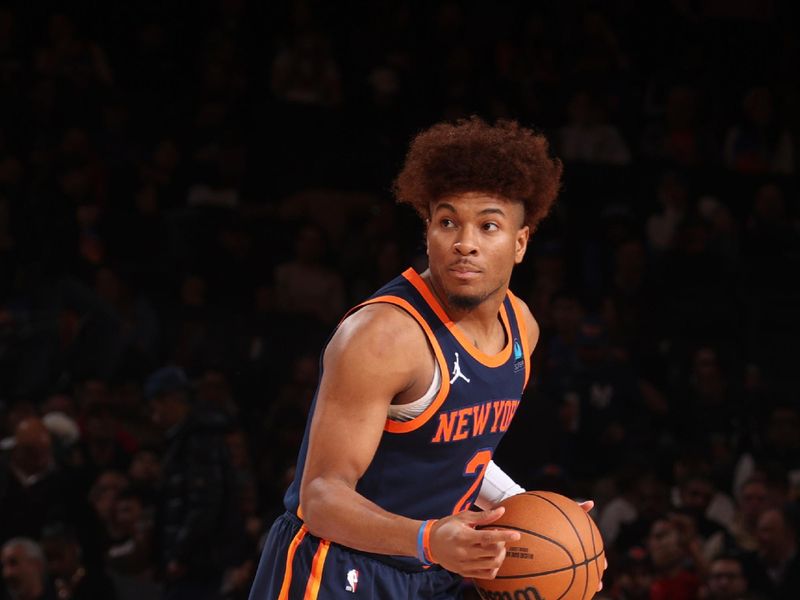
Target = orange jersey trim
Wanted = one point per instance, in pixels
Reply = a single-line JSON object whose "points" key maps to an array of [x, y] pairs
{"points": [[523, 332], [488, 360], [317, 566], [420, 420], [287, 575]]}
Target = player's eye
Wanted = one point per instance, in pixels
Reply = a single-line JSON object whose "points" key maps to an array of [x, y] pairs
{"points": [[447, 223], [490, 227]]}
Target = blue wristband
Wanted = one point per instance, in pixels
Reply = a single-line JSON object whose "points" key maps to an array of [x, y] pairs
{"points": [[421, 545]]}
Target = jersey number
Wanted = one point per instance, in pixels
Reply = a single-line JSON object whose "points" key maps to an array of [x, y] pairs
{"points": [[476, 466]]}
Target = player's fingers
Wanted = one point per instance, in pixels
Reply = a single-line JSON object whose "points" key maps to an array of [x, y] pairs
{"points": [[491, 548], [587, 505], [496, 536], [485, 568], [476, 573], [485, 517], [489, 552]]}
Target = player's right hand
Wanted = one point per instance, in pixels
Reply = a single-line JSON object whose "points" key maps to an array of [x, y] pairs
{"points": [[458, 546]]}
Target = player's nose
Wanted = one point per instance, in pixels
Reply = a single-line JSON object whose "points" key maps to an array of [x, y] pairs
{"points": [[465, 244]]}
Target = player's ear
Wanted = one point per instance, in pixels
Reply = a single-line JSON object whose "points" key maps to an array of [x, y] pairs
{"points": [[427, 226], [521, 243]]}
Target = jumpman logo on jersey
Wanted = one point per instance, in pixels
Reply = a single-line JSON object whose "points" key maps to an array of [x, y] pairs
{"points": [[457, 371]]}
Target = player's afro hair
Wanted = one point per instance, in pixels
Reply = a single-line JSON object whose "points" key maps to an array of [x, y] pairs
{"points": [[504, 159]]}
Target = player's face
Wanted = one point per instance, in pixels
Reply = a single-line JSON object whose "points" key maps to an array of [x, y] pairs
{"points": [[474, 241]]}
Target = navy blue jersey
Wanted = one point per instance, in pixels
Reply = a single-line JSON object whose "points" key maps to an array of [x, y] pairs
{"points": [[433, 465]]}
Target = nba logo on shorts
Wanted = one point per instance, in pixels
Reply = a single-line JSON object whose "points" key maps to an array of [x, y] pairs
{"points": [[352, 581]]}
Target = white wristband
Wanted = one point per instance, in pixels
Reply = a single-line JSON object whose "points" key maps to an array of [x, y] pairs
{"points": [[496, 487]]}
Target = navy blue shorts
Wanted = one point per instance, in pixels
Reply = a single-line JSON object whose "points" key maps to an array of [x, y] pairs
{"points": [[296, 565]]}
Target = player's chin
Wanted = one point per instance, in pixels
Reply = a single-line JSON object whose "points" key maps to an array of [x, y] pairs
{"points": [[465, 297]]}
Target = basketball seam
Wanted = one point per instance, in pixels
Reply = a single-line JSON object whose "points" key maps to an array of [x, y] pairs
{"points": [[538, 535], [574, 530], [574, 566], [594, 548]]}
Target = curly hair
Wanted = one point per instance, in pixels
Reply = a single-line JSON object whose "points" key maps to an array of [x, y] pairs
{"points": [[504, 159]]}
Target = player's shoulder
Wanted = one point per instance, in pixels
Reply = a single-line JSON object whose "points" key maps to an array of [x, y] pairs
{"points": [[379, 329], [531, 324]]}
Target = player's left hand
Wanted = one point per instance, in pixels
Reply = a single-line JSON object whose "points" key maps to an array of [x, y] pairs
{"points": [[587, 506]]}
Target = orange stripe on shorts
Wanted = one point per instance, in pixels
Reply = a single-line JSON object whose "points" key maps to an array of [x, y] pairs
{"points": [[318, 564], [287, 576]]}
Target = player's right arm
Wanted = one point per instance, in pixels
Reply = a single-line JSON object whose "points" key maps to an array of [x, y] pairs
{"points": [[377, 354]]}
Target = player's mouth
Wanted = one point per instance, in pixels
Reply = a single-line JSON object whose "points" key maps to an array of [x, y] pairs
{"points": [[464, 271]]}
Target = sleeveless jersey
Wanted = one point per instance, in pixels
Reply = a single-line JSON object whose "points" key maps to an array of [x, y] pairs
{"points": [[433, 465]]}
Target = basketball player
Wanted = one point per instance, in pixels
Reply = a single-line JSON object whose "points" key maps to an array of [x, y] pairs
{"points": [[419, 384]]}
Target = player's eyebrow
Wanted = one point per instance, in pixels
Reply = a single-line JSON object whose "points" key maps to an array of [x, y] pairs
{"points": [[486, 211]]}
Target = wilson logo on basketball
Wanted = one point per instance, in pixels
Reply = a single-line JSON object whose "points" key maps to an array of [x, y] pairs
{"points": [[529, 593]]}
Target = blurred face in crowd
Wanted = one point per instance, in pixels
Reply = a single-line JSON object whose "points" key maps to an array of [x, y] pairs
{"points": [[63, 556], [664, 544], [726, 580], [104, 493], [167, 410], [33, 452], [651, 497], [128, 513], [23, 574], [634, 582], [776, 540], [696, 494], [145, 467], [753, 500]]}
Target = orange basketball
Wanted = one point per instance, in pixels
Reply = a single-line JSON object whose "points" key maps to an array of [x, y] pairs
{"points": [[558, 557]]}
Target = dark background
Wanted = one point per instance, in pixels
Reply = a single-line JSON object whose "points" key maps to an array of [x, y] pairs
{"points": [[160, 160]]}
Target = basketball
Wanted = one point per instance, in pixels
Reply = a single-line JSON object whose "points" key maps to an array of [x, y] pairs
{"points": [[559, 556]]}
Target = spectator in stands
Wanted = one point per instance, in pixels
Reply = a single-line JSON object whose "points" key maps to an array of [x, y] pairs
{"points": [[751, 501], [675, 559], [305, 71], [589, 137], [130, 550], [32, 487], [25, 571], [727, 579], [632, 576], [778, 451], [758, 144], [673, 196], [198, 530], [73, 577], [776, 563], [305, 284]]}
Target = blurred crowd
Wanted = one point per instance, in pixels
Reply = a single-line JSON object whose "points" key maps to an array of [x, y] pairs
{"points": [[192, 196]]}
